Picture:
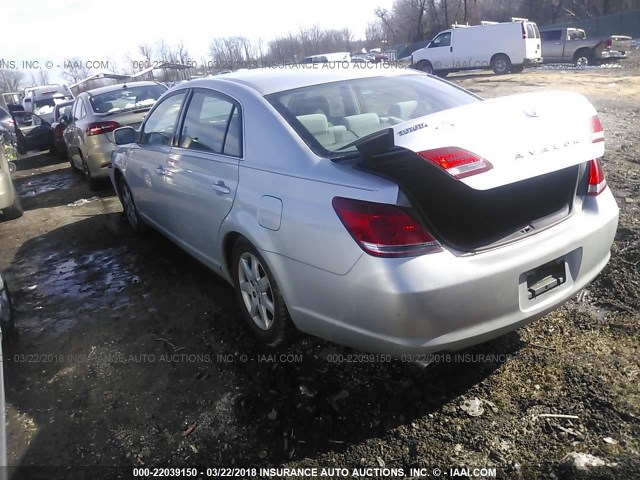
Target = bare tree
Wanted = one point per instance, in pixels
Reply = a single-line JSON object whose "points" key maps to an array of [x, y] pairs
{"points": [[75, 70], [10, 80]]}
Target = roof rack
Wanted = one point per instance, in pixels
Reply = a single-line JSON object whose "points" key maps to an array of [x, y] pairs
{"points": [[519, 19], [457, 25], [485, 22]]}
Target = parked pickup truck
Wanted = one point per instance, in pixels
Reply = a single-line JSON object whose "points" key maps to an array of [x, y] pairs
{"points": [[571, 45]]}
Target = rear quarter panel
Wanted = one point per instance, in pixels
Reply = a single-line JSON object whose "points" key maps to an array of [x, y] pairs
{"points": [[278, 164]]}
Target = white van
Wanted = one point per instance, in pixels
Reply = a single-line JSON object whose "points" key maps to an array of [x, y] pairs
{"points": [[503, 47], [41, 100]]}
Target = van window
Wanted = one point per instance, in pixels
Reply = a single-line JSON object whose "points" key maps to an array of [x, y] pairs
{"points": [[551, 35], [442, 40], [532, 31]]}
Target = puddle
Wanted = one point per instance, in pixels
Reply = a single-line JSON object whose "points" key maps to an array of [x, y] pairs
{"points": [[78, 285], [37, 186]]}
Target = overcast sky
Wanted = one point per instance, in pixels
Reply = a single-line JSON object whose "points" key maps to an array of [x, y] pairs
{"points": [[51, 30]]}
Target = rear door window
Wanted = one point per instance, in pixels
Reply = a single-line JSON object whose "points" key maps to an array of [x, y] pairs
{"points": [[551, 35]]}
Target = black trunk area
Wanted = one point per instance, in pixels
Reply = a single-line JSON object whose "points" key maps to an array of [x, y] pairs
{"points": [[469, 219]]}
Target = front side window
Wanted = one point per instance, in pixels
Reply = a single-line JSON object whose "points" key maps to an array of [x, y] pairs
{"points": [[161, 123], [442, 40], [212, 124]]}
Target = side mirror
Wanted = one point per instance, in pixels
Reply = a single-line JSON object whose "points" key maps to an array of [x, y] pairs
{"points": [[124, 135]]}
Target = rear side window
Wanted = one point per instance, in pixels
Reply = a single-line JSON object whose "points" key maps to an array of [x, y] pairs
{"points": [[532, 31], [551, 35]]}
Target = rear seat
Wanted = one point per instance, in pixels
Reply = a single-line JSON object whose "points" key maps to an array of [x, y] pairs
{"points": [[318, 126], [362, 124], [404, 110]]}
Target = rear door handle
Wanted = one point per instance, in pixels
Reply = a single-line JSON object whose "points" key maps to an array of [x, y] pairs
{"points": [[220, 187], [160, 170]]}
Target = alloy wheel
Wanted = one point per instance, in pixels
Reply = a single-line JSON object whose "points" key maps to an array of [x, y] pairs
{"points": [[256, 291]]}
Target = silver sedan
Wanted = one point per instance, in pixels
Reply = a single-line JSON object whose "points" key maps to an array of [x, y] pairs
{"points": [[379, 208]]}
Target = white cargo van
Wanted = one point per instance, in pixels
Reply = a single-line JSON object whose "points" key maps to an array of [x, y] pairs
{"points": [[503, 47]]}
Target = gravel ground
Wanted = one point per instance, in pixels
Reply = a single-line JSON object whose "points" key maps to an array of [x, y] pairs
{"points": [[129, 352]]}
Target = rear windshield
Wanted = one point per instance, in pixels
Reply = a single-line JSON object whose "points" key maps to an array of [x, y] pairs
{"points": [[532, 30], [332, 115], [126, 98], [47, 105]]}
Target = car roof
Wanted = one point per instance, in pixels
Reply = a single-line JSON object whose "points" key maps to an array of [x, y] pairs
{"points": [[118, 86], [288, 77]]}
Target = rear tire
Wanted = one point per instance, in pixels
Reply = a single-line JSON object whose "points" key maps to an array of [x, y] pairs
{"points": [[583, 58], [93, 183], [259, 298], [500, 64], [62, 153]]}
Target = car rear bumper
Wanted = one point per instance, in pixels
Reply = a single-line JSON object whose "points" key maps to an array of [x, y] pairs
{"points": [[441, 301], [612, 55], [98, 156]]}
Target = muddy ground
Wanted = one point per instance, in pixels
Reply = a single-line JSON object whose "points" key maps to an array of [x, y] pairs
{"points": [[129, 352]]}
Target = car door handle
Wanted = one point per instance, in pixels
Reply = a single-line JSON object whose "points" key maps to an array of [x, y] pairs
{"points": [[160, 170], [221, 187]]}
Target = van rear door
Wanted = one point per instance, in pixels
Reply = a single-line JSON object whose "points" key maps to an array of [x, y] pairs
{"points": [[532, 46]]}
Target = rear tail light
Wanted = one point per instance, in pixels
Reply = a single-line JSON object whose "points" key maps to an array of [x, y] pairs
{"points": [[597, 182], [457, 162], [96, 128], [384, 230], [524, 31], [597, 132]]}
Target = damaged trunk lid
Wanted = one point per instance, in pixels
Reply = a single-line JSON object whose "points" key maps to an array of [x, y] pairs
{"points": [[491, 172]]}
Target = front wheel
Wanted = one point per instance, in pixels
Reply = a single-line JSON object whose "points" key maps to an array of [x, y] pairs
{"points": [[14, 211], [262, 305], [425, 66], [500, 64], [130, 209], [7, 322]]}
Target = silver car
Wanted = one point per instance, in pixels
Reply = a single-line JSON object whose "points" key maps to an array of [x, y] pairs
{"points": [[96, 114], [380, 208]]}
